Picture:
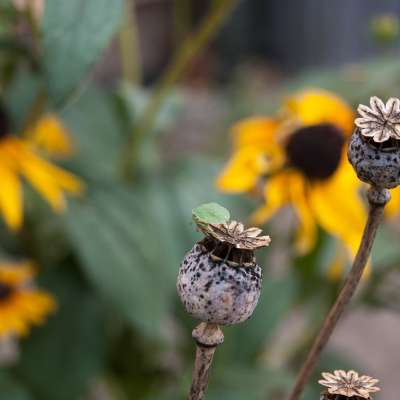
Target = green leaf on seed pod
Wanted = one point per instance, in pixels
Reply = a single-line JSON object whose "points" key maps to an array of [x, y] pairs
{"points": [[210, 213]]}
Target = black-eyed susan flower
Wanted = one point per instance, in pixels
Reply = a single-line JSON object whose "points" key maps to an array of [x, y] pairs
{"points": [[22, 305], [19, 158], [299, 157]]}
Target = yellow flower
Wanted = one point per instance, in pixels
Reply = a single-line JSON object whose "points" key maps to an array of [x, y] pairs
{"points": [[49, 134], [300, 158], [19, 159], [21, 303]]}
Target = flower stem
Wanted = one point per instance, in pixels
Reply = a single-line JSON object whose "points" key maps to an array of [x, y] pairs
{"points": [[180, 61], [129, 45], [377, 199], [208, 337]]}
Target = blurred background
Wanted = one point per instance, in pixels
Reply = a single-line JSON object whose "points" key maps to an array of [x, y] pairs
{"points": [[146, 92]]}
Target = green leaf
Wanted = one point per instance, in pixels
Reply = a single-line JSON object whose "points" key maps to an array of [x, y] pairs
{"points": [[20, 95], [211, 213], [127, 252], [385, 249], [60, 359], [11, 389], [75, 32], [98, 139]]}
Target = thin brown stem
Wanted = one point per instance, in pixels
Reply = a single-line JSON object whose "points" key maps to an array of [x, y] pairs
{"points": [[208, 337], [377, 199]]}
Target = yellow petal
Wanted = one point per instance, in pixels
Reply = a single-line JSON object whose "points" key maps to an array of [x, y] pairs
{"points": [[307, 230], [276, 195], [316, 106], [338, 207], [16, 273], [392, 209], [50, 135], [242, 171], [10, 196], [47, 179], [256, 132]]}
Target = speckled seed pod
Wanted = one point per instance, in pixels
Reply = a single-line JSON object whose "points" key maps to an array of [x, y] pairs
{"points": [[219, 280], [374, 165], [374, 149]]}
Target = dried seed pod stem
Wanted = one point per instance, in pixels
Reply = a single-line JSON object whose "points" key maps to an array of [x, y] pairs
{"points": [[208, 337], [377, 199]]}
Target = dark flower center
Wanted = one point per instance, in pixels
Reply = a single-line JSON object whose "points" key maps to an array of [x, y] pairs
{"points": [[4, 122], [5, 291], [316, 150]]}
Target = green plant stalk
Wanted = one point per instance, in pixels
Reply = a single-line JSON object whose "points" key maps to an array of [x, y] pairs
{"points": [[377, 199], [129, 46], [182, 19], [180, 61]]}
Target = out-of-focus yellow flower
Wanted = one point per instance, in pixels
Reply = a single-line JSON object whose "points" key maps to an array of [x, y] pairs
{"points": [[21, 303], [50, 135], [19, 159], [300, 156]]}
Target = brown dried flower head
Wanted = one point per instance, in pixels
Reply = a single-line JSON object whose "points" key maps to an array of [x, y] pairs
{"points": [[235, 234], [349, 384], [380, 121]]}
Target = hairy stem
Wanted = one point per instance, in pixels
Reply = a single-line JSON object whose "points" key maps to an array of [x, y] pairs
{"points": [[180, 61], [208, 337], [377, 199]]}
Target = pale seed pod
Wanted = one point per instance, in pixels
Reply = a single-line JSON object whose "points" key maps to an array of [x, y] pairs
{"points": [[219, 280], [374, 148]]}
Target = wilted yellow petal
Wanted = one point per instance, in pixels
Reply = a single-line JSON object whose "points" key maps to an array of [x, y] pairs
{"points": [[317, 106], [276, 195], [257, 132], [50, 135], [46, 178], [10, 196], [338, 207], [307, 231], [392, 208], [242, 171]]}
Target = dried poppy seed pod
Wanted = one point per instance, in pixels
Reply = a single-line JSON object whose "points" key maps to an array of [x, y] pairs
{"points": [[219, 281], [374, 149], [342, 385]]}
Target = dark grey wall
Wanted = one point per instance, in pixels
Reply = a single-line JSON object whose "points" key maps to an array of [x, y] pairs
{"points": [[302, 33]]}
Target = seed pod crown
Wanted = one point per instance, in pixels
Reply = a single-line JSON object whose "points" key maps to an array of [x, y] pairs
{"points": [[348, 384], [233, 233]]}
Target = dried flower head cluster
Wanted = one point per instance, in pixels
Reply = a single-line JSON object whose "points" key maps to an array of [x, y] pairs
{"points": [[349, 384], [234, 234], [380, 121]]}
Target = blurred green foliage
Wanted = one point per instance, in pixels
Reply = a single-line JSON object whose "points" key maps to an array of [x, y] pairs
{"points": [[111, 260]]}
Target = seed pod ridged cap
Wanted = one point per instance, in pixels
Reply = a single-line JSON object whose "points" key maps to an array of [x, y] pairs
{"points": [[345, 385]]}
